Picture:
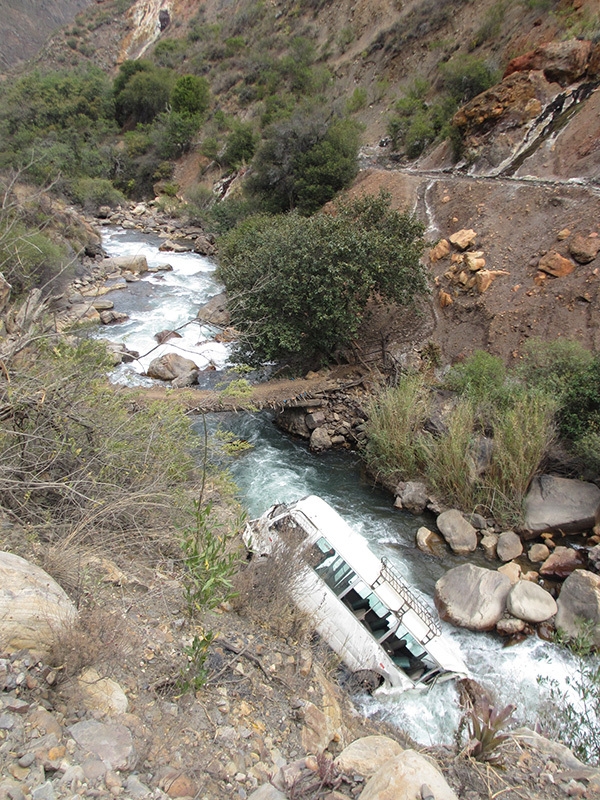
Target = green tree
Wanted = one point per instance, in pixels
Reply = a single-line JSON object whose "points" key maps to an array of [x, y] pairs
{"points": [[241, 144], [304, 161], [190, 95], [466, 77], [144, 95], [299, 286]]}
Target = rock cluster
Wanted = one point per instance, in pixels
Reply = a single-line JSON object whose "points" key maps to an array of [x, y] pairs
{"points": [[467, 271], [333, 420], [524, 591], [180, 237]]}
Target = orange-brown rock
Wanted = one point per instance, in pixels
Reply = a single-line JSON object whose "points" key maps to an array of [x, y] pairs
{"points": [[593, 67], [463, 238], [485, 277], [444, 299], [555, 264], [440, 251], [511, 98], [475, 261], [561, 62]]}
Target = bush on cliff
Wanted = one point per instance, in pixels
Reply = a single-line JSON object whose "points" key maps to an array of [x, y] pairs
{"points": [[299, 287]]}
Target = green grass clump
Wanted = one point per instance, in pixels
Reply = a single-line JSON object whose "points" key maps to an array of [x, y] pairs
{"points": [[395, 448]]}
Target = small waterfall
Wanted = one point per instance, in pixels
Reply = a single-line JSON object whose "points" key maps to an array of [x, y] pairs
{"points": [[546, 126]]}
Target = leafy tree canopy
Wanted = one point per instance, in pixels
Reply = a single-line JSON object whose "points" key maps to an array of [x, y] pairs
{"points": [[299, 286], [190, 95], [304, 161], [144, 95]]}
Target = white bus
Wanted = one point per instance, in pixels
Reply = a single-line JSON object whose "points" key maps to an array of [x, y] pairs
{"points": [[357, 602]]}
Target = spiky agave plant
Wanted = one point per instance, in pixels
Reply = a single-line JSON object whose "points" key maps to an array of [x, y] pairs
{"points": [[486, 731]]}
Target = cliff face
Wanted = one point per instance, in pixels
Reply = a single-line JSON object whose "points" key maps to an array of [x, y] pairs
{"points": [[26, 24]]}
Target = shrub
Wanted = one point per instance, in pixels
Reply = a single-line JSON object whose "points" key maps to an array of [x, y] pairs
{"points": [[240, 147], [579, 414], [357, 100], [190, 95], [574, 718], [480, 377], [93, 192], [80, 463], [28, 257], [299, 287], [172, 134], [304, 161], [553, 366], [144, 95], [466, 77]]}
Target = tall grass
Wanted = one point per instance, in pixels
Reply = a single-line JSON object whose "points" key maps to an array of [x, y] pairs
{"points": [[522, 435], [395, 446], [519, 419], [450, 468]]}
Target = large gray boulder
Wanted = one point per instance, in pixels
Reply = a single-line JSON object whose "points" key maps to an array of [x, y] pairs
{"points": [[529, 602], [365, 756], [170, 366], [404, 777], [579, 602], [215, 311], [35, 612], [472, 597], [135, 264], [413, 496], [460, 534], [560, 504]]}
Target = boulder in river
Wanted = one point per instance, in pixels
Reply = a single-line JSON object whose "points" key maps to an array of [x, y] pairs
{"points": [[472, 597], [135, 264], [560, 504], [215, 312], [529, 602], [413, 496], [561, 562], [509, 546], [579, 602], [460, 534], [170, 366]]}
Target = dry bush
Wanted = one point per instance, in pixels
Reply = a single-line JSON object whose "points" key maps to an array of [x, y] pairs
{"points": [[97, 637], [264, 587]]}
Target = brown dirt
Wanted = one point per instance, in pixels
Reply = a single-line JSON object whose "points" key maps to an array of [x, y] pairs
{"points": [[516, 221]]}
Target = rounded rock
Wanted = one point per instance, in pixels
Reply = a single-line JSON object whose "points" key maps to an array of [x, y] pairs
{"points": [[529, 602]]}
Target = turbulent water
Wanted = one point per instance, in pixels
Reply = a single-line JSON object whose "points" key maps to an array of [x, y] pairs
{"points": [[161, 301], [280, 469]]}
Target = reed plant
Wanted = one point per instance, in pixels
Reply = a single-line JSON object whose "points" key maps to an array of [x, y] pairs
{"points": [[522, 434], [395, 445], [450, 467]]}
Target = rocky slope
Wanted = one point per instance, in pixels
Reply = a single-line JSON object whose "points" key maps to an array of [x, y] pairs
{"points": [[26, 25]]}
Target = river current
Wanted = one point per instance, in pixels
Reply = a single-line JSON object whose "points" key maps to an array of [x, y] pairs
{"points": [[278, 468]]}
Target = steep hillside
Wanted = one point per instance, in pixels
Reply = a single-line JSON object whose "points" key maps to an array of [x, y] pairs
{"points": [[26, 25]]}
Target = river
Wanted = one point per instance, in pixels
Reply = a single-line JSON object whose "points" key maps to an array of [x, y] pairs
{"points": [[278, 468]]}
